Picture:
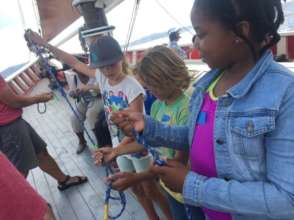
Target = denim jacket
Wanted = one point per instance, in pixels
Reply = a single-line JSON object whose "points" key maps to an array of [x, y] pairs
{"points": [[253, 145]]}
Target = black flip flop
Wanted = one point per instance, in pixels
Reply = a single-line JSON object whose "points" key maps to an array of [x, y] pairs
{"points": [[66, 184]]}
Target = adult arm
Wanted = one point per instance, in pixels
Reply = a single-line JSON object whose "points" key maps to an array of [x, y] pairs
{"points": [[13, 100]]}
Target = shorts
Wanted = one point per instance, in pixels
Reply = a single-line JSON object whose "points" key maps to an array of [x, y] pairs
{"points": [[85, 111], [127, 163], [21, 144], [101, 131]]}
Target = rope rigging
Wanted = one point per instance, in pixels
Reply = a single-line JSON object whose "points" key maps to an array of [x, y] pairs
{"points": [[44, 61], [132, 24], [159, 162], [173, 17], [42, 53]]}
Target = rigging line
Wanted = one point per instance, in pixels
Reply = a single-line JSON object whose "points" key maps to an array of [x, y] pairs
{"points": [[131, 20], [132, 24], [44, 61], [173, 18], [23, 21], [21, 15], [36, 14]]}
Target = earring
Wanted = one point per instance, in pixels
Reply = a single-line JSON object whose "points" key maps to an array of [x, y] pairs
{"points": [[237, 41]]}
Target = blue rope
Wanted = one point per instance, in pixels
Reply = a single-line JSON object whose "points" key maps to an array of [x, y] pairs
{"points": [[45, 63], [141, 140], [108, 197]]}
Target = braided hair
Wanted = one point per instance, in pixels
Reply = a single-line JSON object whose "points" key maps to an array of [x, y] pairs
{"points": [[264, 16]]}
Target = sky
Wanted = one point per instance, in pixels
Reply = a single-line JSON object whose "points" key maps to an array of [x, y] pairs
{"points": [[151, 18], [12, 44]]}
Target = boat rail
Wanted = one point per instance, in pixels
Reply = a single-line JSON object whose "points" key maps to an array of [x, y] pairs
{"points": [[24, 79]]}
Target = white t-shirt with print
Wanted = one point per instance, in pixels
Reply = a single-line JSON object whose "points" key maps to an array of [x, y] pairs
{"points": [[117, 97]]}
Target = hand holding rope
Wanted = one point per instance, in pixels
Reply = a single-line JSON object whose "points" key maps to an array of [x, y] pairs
{"points": [[159, 162], [140, 140], [108, 197], [44, 61]]}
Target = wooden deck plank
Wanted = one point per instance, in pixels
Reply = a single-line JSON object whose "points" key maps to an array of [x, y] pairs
{"points": [[74, 194], [85, 162], [95, 202], [31, 180], [45, 190], [81, 202]]}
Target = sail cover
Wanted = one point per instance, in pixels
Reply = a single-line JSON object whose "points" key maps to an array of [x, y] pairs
{"points": [[55, 16]]}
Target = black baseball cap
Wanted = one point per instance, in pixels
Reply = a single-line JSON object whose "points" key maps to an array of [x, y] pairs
{"points": [[104, 51]]}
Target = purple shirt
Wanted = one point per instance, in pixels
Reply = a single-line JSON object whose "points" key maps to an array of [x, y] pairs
{"points": [[202, 152]]}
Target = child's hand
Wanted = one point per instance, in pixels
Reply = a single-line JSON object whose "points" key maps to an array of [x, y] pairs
{"points": [[122, 181], [84, 88], [36, 38], [104, 155], [127, 120], [168, 173], [74, 93]]}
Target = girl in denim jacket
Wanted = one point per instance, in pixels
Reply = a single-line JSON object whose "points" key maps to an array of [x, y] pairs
{"points": [[240, 133]]}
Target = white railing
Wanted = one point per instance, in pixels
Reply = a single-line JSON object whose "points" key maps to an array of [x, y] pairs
{"points": [[21, 70]]}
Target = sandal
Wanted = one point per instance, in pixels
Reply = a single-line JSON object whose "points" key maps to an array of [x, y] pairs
{"points": [[67, 183]]}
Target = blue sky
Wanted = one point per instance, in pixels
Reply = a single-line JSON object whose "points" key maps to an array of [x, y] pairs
{"points": [[13, 46], [151, 19], [7, 17]]}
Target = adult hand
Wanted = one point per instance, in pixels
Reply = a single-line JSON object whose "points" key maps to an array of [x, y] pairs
{"points": [[126, 120], [122, 181], [104, 155], [173, 174], [45, 97]]}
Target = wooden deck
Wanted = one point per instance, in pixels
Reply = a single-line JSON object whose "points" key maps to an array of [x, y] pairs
{"points": [[83, 202]]}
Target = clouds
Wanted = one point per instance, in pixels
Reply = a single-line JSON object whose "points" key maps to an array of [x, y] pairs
{"points": [[13, 46]]}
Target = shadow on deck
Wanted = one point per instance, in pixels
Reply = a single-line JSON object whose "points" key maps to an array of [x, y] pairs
{"points": [[83, 202]]}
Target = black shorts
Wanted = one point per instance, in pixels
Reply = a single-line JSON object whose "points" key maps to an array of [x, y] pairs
{"points": [[21, 144], [101, 131]]}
